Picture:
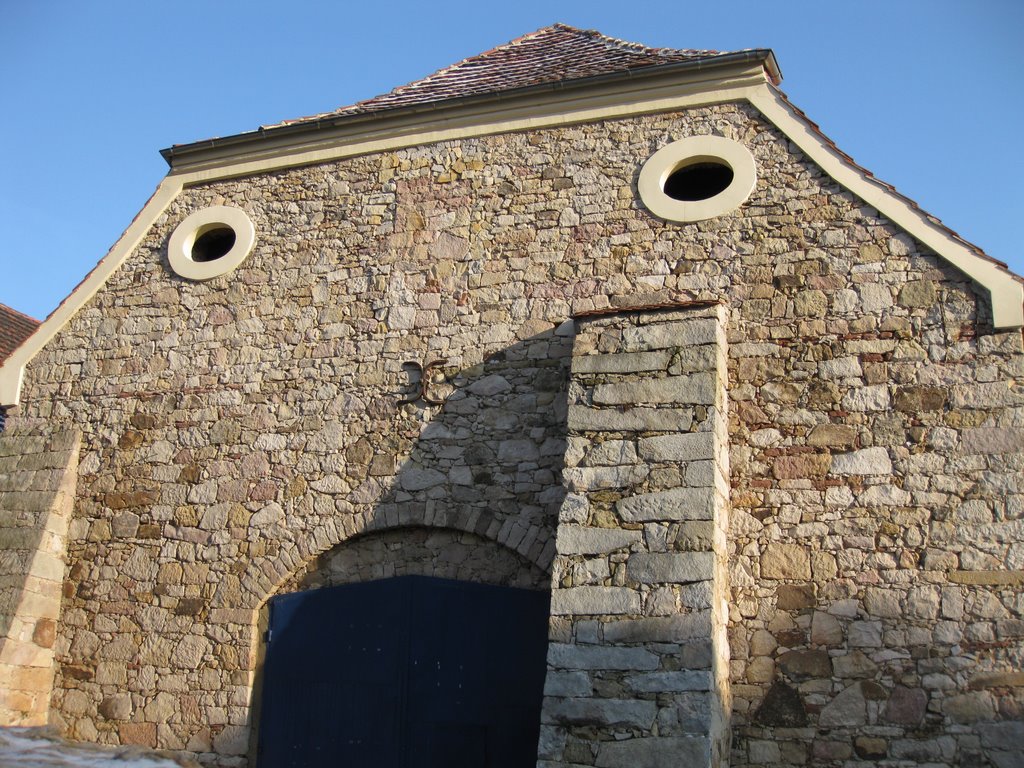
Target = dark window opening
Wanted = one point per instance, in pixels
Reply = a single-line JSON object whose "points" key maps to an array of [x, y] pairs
{"points": [[213, 244], [700, 181]]}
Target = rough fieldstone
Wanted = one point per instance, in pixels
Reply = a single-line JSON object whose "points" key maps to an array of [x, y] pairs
{"points": [[884, 603], [785, 561], [833, 436], [906, 706], [825, 629], [116, 707], [781, 707], [865, 634], [804, 665], [990, 440], [489, 386], [868, 461], [918, 294], [846, 710], [417, 478], [1008, 735], [793, 597], [917, 399], [969, 707], [804, 465], [870, 747]]}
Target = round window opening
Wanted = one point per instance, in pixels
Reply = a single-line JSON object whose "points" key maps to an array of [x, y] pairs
{"points": [[211, 242], [215, 243], [697, 178], [699, 181]]}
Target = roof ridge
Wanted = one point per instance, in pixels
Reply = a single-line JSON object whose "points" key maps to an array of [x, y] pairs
{"points": [[438, 73], [634, 46], [555, 53]]}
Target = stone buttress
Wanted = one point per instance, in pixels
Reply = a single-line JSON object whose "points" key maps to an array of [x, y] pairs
{"points": [[638, 660]]}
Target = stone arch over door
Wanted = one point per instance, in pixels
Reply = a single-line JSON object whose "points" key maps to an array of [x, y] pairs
{"points": [[441, 558]]}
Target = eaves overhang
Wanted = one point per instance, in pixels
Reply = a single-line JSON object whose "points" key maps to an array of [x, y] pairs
{"points": [[753, 65]]}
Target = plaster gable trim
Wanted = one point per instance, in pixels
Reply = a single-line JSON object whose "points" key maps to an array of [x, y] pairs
{"points": [[13, 370], [1006, 292]]}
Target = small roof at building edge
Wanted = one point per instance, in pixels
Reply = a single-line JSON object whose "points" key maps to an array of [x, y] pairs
{"points": [[15, 327]]}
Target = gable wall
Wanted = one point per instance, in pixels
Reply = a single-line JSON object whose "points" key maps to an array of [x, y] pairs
{"points": [[234, 430]]}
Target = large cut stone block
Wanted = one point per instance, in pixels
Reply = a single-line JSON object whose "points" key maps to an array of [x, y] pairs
{"points": [[586, 601], [656, 568], [585, 540], [694, 389], [628, 362], [689, 446], [617, 713], [583, 657], [677, 504], [655, 753]]}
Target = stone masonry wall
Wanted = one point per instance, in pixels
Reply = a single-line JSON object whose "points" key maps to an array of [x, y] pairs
{"points": [[38, 473], [638, 663], [235, 430]]}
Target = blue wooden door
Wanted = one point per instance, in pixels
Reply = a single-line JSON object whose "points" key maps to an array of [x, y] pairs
{"points": [[411, 672]]}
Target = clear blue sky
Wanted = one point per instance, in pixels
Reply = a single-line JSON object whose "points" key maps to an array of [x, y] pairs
{"points": [[927, 95]]}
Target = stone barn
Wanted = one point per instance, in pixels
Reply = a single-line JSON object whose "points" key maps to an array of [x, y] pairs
{"points": [[580, 404]]}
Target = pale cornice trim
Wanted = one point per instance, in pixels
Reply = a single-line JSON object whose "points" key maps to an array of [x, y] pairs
{"points": [[624, 85], [521, 112]]}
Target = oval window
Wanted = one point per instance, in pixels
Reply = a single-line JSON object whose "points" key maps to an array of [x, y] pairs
{"points": [[698, 181], [697, 178], [214, 243], [211, 242]]}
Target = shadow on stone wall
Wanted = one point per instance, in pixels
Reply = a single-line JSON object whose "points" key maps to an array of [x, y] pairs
{"points": [[477, 496]]}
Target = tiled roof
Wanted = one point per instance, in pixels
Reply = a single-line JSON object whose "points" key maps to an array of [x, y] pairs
{"points": [[14, 329], [549, 55]]}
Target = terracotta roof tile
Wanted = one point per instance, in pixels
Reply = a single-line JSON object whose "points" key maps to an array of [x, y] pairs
{"points": [[14, 329], [549, 55]]}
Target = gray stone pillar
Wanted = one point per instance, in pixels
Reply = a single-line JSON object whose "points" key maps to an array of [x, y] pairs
{"points": [[638, 659]]}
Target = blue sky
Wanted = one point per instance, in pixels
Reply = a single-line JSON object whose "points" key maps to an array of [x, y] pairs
{"points": [[927, 95]]}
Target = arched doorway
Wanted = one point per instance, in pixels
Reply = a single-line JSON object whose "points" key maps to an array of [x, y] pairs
{"points": [[413, 670]]}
